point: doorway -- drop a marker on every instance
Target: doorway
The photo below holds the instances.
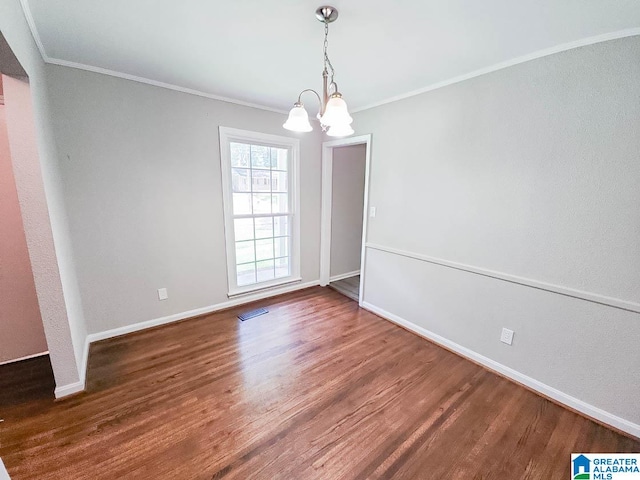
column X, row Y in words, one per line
column 35, row 311
column 345, row 179
column 21, row 328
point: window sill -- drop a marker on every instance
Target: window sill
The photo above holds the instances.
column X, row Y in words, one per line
column 263, row 286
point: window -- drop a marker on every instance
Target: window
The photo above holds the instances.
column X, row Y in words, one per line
column 259, row 180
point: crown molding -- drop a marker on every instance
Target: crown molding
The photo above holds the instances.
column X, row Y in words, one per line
column 476, row 73
column 169, row 86
column 508, row 63
column 26, row 9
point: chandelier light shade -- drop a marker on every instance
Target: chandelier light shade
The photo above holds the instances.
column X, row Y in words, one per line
column 340, row 131
column 298, row 120
column 334, row 114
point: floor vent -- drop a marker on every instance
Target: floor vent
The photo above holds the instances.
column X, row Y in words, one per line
column 253, row 313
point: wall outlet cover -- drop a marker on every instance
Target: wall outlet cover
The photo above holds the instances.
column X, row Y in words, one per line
column 162, row 294
column 506, row 336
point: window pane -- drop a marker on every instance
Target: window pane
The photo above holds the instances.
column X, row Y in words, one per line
column 261, row 203
column 282, row 267
column 261, row 180
column 260, row 157
column 281, row 246
column 280, row 226
column 279, row 158
column 245, row 252
column 279, row 181
column 264, row 249
column 241, row 203
column 243, row 228
column 280, row 202
column 240, row 179
column 260, row 215
column 264, row 227
column 239, row 154
column 246, row 274
column 265, row 271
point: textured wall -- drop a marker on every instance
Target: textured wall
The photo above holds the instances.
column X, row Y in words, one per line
column 530, row 171
column 142, row 181
column 347, row 200
column 35, row 166
column 21, row 330
column 37, row 227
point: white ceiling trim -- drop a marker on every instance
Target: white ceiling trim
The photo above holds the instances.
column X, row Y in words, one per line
column 476, row 73
column 32, row 26
column 90, row 68
column 509, row 63
column 135, row 78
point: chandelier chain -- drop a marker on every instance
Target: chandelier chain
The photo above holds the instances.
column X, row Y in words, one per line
column 326, row 55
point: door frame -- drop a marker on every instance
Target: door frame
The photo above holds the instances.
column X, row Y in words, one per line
column 327, row 189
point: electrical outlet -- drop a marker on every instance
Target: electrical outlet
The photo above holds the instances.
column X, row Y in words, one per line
column 162, row 294
column 507, row 336
column 372, row 212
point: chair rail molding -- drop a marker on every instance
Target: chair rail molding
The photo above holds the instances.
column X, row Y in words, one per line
column 628, row 305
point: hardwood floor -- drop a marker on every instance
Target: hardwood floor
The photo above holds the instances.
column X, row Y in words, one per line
column 348, row 286
column 316, row 389
column 26, row 383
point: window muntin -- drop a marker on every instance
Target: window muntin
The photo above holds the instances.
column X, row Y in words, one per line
column 260, row 210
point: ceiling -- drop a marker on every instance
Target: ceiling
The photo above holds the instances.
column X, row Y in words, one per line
column 9, row 64
column 265, row 52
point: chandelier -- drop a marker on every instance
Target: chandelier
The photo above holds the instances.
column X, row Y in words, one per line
column 333, row 115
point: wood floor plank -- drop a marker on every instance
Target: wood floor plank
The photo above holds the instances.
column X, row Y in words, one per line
column 348, row 286
column 316, row 389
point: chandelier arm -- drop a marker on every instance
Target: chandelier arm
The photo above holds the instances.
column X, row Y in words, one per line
column 310, row 90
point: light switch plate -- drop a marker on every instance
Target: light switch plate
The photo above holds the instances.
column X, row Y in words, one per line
column 162, row 294
column 372, row 212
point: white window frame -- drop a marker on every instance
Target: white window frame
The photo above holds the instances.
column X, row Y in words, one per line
column 228, row 135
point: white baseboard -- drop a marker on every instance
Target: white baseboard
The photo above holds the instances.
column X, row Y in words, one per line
column 85, row 362
column 342, row 276
column 116, row 332
column 78, row 386
column 69, row 389
column 561, row 397
column 95, row 337
column 35, row 355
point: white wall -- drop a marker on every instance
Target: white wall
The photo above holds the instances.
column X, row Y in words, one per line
column 140, row 167
column 529, row 171
column 39, row 191
column 347, row 203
